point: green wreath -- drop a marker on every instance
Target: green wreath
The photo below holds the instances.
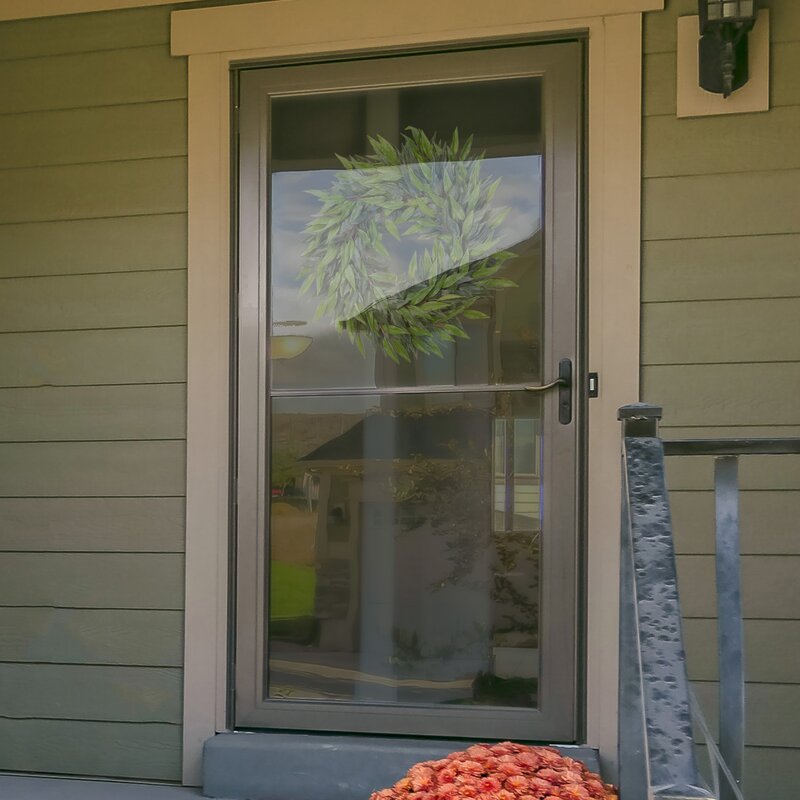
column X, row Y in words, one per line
column 425, row 187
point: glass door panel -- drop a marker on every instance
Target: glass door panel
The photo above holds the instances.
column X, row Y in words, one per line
column 407, row 495
column 404, row 549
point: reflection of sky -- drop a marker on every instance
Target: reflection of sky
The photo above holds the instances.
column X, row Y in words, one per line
column 331, row 360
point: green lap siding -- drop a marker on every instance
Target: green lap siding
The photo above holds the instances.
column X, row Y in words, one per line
column 92, row 395
column 721, row 353
column 79, row 747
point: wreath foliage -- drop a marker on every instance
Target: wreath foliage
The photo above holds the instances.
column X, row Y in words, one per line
column 428, row 188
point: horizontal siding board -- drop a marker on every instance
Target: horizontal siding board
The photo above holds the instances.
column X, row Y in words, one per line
column 101, row 78
column 91, row 636
column 670, row 144
column 100, row 524
column 770, row 586
column 111, row 189
column 81, row 692
column 724, row 394
column 660, row 76
column 770, row 473
column 117, row 300
column 660, row 27
column 722, row 268
column 784, row 69
column 769, row 772
column 102, row 749
column 85, row 135
column 96, row 469
column 719, row 331
column 66, row 358
column 701, row 206
column 89, row 413
column 116, row 244
column 763, row 640
column 769, row 521
column 75, row 33
column 92, row 580
column 772, row 713
column 660, row 79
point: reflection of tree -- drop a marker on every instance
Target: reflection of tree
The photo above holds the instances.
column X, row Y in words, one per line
column 409, row 648
column 451, row 496
column 449, row 488
column 284, row 468
column 513, row 550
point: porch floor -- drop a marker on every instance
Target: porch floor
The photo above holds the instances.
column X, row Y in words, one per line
column 24, row 787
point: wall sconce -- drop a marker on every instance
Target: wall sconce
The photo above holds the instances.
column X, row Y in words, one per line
column 723, row 50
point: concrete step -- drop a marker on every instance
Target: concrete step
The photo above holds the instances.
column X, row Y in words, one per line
column 291, row 766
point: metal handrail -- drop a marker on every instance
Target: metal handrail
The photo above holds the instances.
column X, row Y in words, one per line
column 732, row 447
column 656, row 748
column 643, row 454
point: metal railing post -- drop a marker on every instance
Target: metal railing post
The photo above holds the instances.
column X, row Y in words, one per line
column 729, row 620
column 657, row 758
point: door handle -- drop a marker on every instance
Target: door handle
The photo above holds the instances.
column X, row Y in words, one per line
column 564, row 383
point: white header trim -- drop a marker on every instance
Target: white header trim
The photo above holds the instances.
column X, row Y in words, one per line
column 283, row 27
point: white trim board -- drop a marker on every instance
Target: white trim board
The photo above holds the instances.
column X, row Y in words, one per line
column 614, row 186
column 284, row 26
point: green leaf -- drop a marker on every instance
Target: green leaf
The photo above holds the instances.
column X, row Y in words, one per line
column 500, row 283
column 473, row 313
column 392, row 228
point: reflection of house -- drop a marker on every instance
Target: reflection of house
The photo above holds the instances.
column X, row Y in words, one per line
column 115, row 378
column 390, row 544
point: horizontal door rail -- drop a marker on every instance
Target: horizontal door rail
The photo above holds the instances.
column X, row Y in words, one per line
column 732, row 447
column 467, row 388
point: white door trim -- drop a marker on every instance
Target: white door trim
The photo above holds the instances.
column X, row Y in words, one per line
column 614, row 210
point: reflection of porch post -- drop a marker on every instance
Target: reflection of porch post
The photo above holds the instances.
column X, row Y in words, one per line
column 376, row 535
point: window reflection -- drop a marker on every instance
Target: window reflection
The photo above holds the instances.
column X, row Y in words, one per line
column 395, row 576
column 502, row 344
column 405, row 529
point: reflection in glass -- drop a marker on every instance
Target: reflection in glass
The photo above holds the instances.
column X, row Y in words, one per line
column 404, row 549
column 433, row 188
column 404, row 530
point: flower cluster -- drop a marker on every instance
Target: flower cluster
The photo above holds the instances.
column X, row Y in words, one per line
column 506, row 771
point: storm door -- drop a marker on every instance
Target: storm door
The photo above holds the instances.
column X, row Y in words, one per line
column 406, row 519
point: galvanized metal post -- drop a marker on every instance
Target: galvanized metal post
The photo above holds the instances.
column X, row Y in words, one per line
column 654, row 677
column 729, row 621
column 634, row 773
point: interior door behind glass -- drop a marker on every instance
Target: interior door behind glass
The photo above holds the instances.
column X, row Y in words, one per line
column 407, row 501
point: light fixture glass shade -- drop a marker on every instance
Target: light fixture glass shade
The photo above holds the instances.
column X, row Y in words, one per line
column 284, row 347
column 715, row 12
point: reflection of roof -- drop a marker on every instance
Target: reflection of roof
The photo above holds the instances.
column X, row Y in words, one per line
column 452, row 434
column 524, row 247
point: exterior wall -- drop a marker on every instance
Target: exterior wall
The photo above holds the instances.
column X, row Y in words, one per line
column 721, row 352
column 92, row 404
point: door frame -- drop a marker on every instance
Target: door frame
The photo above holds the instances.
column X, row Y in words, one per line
column 216, row 38
column 559, row 67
